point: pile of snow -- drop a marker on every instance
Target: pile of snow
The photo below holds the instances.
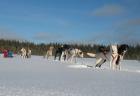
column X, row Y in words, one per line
column 41, row 77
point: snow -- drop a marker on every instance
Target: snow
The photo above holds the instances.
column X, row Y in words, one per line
column 41, row 77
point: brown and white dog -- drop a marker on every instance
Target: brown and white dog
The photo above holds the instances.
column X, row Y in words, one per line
column 114, row 56
column 49, row 52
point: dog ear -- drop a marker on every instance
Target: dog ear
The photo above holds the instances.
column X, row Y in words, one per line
column 127, row 46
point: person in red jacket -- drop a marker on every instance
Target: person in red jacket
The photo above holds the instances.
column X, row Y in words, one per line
column 5, row 53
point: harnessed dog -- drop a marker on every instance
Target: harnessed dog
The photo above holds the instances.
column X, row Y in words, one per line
column 73, row 53
column 60, row 52
column 49, row 52
column 114, row 56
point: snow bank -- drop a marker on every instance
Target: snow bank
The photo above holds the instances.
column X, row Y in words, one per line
column 41, row 77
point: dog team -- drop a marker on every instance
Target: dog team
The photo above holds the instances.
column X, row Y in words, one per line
column 66, row 53
column 114, row 55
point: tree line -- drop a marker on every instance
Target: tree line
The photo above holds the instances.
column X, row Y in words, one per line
column 41, row 49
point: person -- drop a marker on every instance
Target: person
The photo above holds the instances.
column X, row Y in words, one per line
column 10, row 53
column 5, row 53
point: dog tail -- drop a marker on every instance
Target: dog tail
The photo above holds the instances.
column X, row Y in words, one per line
column 118, row 60
column 91, row 54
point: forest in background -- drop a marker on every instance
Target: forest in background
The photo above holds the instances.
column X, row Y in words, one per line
column 40, row 49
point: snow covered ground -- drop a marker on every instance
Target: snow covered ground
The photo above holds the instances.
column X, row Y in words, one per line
column 41, row 77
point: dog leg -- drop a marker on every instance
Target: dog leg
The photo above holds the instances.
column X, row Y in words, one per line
column 48, row 56
column 111, row 66
column 61, row 56
column 55, row 55
column 103, row 61
column 99, row 62
column 71, row 58
column 118, row 66
column 114, row 62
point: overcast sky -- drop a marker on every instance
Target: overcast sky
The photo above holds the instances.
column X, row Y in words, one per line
column 87, row 21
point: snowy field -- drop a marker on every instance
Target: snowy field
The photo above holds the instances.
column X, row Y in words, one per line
column 41, row 77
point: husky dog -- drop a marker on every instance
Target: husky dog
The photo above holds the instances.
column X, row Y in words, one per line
column 23, row 53
column 122, row 49
column 114, row 55
column 73, row 53
column 61, row 52
column 28, row 53
column 49, row 52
